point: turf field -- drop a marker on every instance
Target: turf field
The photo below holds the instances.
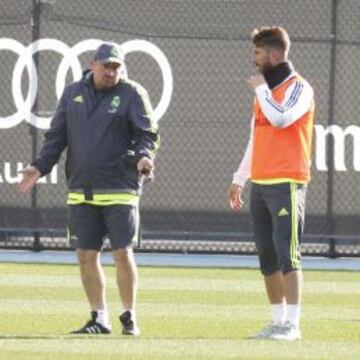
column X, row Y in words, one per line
column 185, row 313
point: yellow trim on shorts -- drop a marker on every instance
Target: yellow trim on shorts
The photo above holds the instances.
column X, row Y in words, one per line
column 277, row 181
column 294, row 243
column 136, row 237
column 104, row 199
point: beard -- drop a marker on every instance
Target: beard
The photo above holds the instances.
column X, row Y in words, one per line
column 266, row 68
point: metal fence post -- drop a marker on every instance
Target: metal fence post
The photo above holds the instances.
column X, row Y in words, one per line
column 34, row 24
column 329, row 141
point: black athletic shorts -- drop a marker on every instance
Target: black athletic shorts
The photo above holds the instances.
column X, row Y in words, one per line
column 88, row 225
column 278, row 212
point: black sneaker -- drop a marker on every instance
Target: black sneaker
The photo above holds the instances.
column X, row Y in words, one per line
column 92, row 327
column 128, row 324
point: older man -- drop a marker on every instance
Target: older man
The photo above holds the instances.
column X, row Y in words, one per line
column 106, row 124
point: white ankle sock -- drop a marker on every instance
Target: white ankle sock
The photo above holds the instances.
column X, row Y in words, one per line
column 278, row 312
column 103, row 318
column 293, row 314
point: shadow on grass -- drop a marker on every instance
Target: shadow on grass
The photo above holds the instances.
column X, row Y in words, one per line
column 63, row 336
column 120, row 337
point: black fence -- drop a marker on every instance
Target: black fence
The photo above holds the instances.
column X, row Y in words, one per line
column 194, row 58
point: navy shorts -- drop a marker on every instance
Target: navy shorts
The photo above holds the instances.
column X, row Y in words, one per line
column 89, row 225
column 278, row 212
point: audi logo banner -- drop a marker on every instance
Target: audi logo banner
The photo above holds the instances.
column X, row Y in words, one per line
column 69, row 61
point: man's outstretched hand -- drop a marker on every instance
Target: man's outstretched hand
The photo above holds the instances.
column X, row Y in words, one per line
column 30, row 175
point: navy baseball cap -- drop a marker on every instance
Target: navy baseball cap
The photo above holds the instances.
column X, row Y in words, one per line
column 109, row 53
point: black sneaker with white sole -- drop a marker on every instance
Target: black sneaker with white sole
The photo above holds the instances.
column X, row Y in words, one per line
column 129, row 326
column 92, row 327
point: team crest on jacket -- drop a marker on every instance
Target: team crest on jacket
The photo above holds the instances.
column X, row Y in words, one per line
column 114, row 105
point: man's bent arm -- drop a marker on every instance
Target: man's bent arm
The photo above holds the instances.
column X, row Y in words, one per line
column 298, row 100
column 147, row 139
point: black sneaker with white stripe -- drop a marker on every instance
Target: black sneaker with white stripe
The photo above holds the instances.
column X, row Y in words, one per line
column 128, row 324
column 92, row 327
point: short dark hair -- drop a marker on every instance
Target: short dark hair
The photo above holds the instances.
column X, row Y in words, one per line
column 275, row 37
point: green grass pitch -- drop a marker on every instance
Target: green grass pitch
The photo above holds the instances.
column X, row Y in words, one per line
column 184, row 313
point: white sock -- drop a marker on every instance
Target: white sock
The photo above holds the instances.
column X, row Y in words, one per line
column 103, row 318
column 278, row 312
column 293, row 314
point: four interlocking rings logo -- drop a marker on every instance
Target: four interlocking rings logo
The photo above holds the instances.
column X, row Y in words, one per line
column 69, row 60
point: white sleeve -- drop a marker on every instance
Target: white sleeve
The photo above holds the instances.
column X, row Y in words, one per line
column 243, row 172
column 297, row 101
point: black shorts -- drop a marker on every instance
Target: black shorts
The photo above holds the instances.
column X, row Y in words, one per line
column 88, row 225
column 278, row 212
